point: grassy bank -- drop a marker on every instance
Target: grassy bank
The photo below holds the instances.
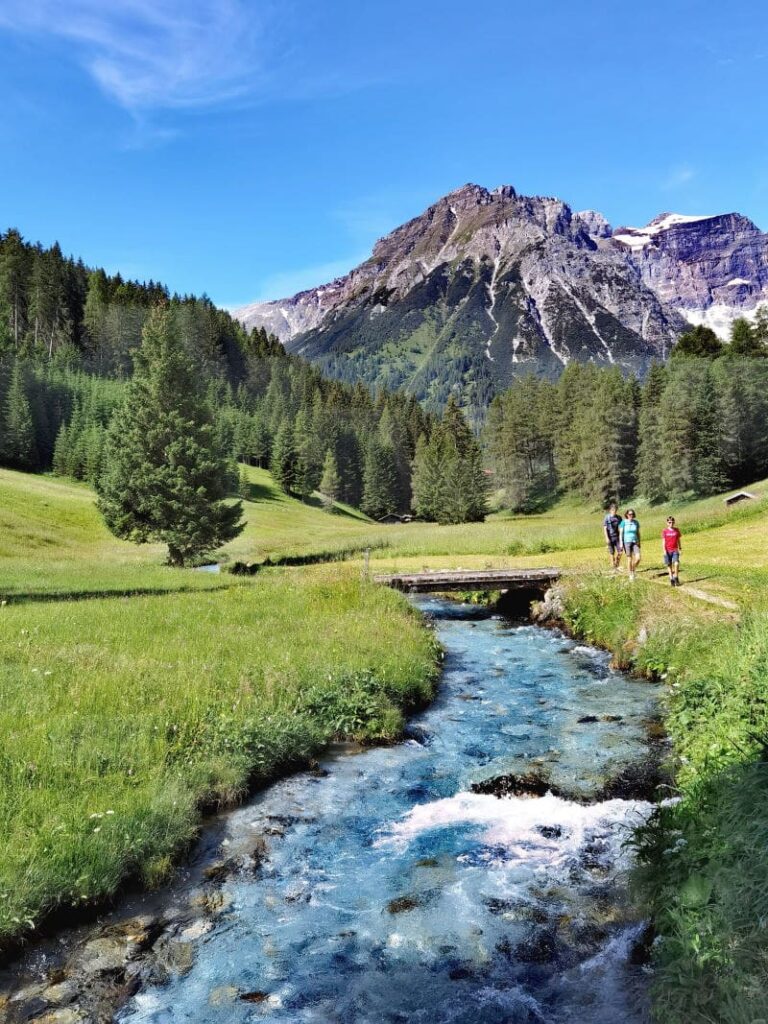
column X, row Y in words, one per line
column 703, row 865
column 133, row 695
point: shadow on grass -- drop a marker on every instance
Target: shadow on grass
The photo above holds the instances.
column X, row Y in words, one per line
column 260, row 492
column 43, row 596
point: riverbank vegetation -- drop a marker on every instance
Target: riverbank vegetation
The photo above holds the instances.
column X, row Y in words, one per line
column 702, row 866
column 133, row 695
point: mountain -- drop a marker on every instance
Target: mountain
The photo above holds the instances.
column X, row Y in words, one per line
column 711, row 269
column 488, row 285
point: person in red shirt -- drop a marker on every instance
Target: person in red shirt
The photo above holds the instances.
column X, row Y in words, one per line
column 670, row 537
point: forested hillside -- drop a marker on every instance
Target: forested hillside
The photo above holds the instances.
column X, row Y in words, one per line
column 694, row 426
column 66, row 338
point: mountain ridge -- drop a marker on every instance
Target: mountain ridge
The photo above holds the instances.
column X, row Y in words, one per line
column 486, row 285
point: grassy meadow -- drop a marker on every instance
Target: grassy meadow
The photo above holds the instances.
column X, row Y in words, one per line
column 154, row 692
column 133, row 695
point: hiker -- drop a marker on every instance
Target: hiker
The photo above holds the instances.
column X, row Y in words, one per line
column 670, row 537
column 630, row 540
column 612, row 530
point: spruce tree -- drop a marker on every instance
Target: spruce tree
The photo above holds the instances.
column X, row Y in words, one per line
column 379, row 480
column 650, row 482
column 330, row 483
column 165, row 479
column 18, row 433
column 429, row 480
column 283, row 464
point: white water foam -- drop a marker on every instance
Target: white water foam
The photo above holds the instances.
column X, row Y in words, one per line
column 516, row 823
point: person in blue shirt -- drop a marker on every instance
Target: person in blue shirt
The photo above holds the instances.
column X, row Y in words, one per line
column 630, row 540
column 612, row 529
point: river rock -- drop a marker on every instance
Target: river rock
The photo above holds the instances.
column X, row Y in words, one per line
column 61, row 993
column 222, row 995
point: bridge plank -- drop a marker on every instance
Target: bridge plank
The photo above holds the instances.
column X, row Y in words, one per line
column 468, row 579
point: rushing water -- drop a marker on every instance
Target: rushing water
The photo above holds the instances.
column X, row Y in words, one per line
column 392, row 892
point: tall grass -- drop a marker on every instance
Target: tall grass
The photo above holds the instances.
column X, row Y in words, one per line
column 121, row 717
column 703, row 866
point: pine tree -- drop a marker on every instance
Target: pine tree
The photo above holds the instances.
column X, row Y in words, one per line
column 165, row 480
column 283, row 463
column 429, row 479
column 330, row 483
column 700, row 342
column 745, row 340
column 650, row 482
column 379, row 480
column 18, row 433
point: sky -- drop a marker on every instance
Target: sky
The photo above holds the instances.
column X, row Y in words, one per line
column 246, row 149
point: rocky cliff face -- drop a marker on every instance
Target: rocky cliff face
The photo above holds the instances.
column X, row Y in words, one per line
column 711, row 269
column 488, row 285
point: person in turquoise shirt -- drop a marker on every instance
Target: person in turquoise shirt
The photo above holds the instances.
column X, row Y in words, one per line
column 630, row 540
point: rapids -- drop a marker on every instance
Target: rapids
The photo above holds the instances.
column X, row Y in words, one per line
column 391, row 891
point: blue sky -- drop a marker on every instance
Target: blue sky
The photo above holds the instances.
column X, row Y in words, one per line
column 247, row 149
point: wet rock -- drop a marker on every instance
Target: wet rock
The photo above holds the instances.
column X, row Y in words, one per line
column 541, row 948
column 211, row 902
column 176, row 958
column 468, row 696
column 529, row 784
column 254, row 997
column 195, row 930
column 499, row 906
column 427, row 862
column 587, row 719
column 460, row 973
column 551, row 609
column 64, row 1016
column 105, row 955
column 259, row 853
column 637, row 781
column 402, row 904
column 61, row 993
column 611, row 718
column 550, row 831
column 221, row 871
column 222, row 995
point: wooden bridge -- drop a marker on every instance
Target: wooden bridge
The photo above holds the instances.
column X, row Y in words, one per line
column 471, row 579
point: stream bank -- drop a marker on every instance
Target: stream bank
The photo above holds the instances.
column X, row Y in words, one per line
column 420, row 881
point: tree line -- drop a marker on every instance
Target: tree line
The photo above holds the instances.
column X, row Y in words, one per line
column 694, row 426
column 69, row 336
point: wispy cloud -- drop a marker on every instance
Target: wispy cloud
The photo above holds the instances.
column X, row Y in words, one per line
column 678, row 177
column 153, row 54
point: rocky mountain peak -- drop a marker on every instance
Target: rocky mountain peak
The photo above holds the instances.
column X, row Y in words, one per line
column 488, row 284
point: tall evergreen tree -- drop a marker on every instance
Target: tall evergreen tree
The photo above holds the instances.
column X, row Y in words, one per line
column 165, row 479
column 330, row 483
column 17, row 440
column 379, row 480
column 650, row 482
column 283, row 464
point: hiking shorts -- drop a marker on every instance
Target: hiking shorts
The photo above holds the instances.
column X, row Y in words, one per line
column 632, row 549
column 671, row 556
column 614, row 546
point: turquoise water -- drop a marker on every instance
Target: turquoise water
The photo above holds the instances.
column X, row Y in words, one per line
column 393, row 892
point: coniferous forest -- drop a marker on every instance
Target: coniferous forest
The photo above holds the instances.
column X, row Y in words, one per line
column 68, row 334
column 67, row 339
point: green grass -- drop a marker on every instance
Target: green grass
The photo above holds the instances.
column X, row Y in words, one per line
column 149, row 692
column 703, row 867
column 152, row 692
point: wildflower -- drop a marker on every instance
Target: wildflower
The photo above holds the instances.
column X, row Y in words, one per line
column 97, row 829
